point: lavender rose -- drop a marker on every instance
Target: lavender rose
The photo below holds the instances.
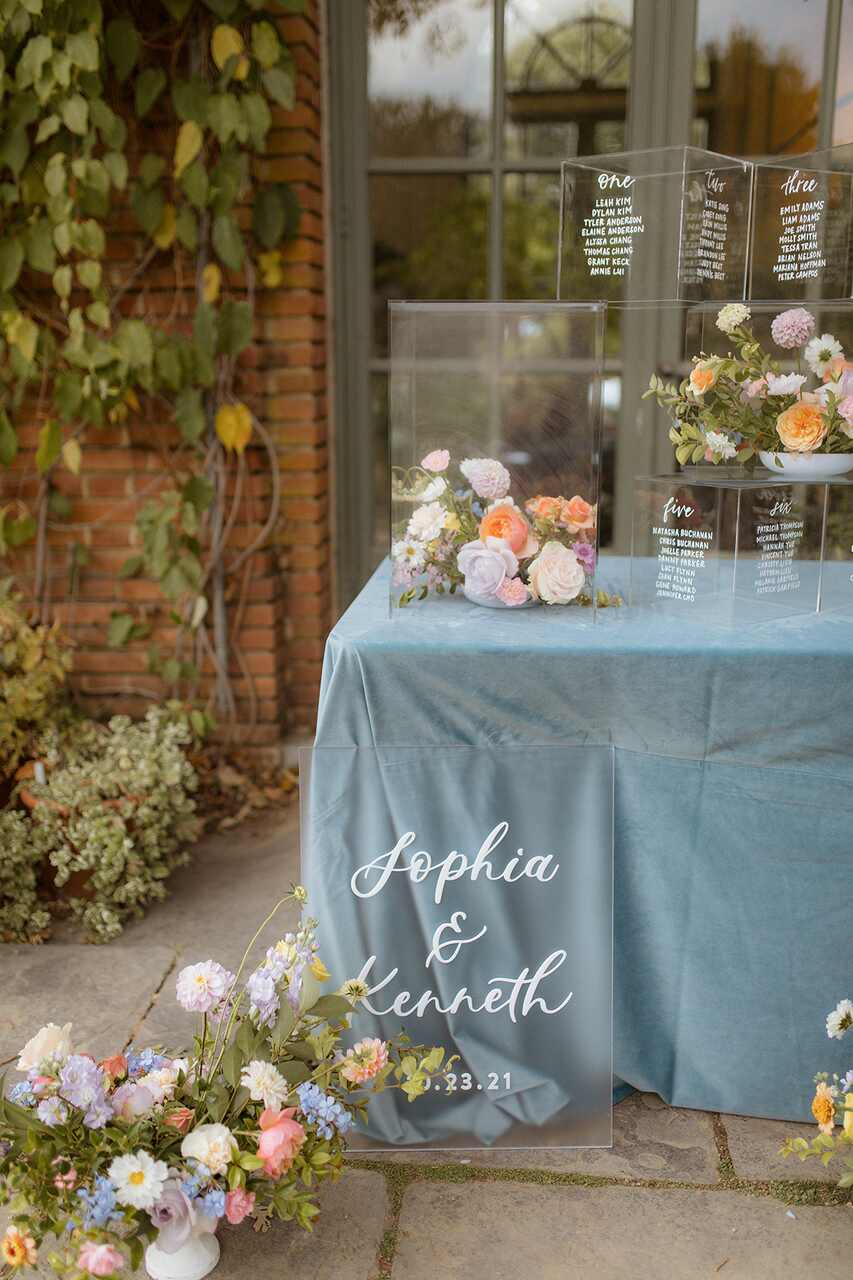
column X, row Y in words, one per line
column 175, row 1216
column 486, row 565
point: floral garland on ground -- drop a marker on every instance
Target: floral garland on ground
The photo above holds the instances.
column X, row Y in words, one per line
column 731, row 407
column 474, row 535
column 152, row 1144
column 832, row 1104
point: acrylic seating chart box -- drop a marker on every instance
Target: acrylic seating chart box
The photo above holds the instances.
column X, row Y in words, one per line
column 731, row 551
column 802, row 235
column 472, row 890
column 494, row 425
column 670, row 223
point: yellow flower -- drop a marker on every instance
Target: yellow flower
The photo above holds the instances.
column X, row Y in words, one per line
column 823, row 1108
column 848, row 1116
column 319, row 970
column 18, row 1250
column 451, row 522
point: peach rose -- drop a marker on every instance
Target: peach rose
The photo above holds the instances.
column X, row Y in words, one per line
column 577, row 514
column 802, row 428
column 542, row 508
column 702, row 378
column 281, row 1138
column 836, row 367
column 181, row 1119
column 505, row 521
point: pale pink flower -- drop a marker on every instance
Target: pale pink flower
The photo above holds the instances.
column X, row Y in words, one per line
column 437, row 460
column 487, row 477
column 281, row 1138
column 100, row 1259
column 238, row 1205
column 792, row 328
column 65, row 1181
column 364, row 1061
column 513, row 592
column 845, row 408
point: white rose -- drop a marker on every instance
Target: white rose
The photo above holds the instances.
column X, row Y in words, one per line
column 211, row 1144
column 556, row 575
column 427, row 522
column 52, row 1043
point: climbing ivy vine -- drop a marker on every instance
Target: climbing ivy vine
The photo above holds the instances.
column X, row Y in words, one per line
column 152, row 112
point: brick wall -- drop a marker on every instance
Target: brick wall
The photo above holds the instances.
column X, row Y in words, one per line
column 279, row 605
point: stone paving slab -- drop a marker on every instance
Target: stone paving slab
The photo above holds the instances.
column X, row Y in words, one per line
column 343, row 1245
column 754, row 1149
column 614, row 1233
column 104, row 991
column 650, row 1140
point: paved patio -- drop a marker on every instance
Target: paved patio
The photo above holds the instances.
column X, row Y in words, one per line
column 681, row 1194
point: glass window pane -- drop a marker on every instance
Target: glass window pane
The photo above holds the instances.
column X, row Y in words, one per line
column 379, row 437
column 842, row 130
column 567, row 68
column 531, row 230
column 758, row 74
column 430, row 236
column 429, row 77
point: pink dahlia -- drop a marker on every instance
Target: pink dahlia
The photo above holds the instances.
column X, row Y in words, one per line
column 793, row 328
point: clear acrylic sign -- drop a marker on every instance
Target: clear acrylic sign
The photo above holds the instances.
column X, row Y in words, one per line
column 471, row 890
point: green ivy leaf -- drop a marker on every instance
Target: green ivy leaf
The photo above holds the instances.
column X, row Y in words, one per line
column 189, row 414
column 190, row 99
column 266, row 45
column 37, row 52
column 228, row 242
column 41, row 254
column 279, row 84
column 68, row 393
column 8, row 441
column 82, row 48
column 168, row 365
column 62, row 281
column 75, row 114
column 186, row 228
column 224, row 117
column 119, row 630
column 147, row 205
column 99, row 314
column 122, row 41
column 47, row 128
column 49, row 446
column 198, row 492
column 195, row 185
column 235, row 328
column 133, row 339
column 258, row 118
column 150, row 83
column 14, row 149
column 116, row 166
column 11, row 261
column 89, row 274
column 178, row 8
column 131, row 567
column 110, row 126
column 151, row 168
column 19, row 531
column 222, row 8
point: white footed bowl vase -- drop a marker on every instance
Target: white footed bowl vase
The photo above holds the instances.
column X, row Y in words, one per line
column 807, row 466
column 192, row 1261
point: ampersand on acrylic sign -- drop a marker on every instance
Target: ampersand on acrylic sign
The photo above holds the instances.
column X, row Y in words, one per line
column 518, row 994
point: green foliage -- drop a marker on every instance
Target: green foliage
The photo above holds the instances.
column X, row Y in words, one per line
column 70, row 73
column 34, row 662
column 23, row 917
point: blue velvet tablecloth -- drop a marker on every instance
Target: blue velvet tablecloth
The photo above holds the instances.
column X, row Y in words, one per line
column 733, row 820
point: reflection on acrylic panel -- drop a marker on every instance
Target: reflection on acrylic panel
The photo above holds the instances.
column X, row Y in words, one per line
column 836, row 595
column 727, row 550
column 494, row 422
column 479, row 922
column 801, row 237
column 671, row 223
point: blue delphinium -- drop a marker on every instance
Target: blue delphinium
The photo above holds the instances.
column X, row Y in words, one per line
column 100, row 1204
column 323, row 1111
column 141, row 1062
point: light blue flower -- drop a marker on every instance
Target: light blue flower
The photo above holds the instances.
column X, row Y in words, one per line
column 99, row 1204
column 22, row 1094
column 212, row 1204
column 323, row 1111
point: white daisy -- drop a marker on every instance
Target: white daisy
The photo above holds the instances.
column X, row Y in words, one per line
column 839, row 1020
column 410, row 552
column 820, row 353
column 427, row 522
column 138, row 1179
column 784, row 384
column 265, row 1084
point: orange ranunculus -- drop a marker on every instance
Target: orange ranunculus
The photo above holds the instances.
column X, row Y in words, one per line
column 702, row 378
column 116, row 1066
column 542, row 508
column 577, row 514
column 802, row 428
column 507, row 522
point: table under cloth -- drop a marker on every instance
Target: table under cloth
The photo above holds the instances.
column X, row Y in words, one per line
column 733, row 810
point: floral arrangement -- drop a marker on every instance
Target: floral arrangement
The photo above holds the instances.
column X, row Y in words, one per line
column 473, row 535
column 832, row 1105
column 106, row 814
column 732, row 407
column 150, row 1145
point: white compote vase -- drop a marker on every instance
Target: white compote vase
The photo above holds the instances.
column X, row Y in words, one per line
column 194, row 1260
column 807, row 466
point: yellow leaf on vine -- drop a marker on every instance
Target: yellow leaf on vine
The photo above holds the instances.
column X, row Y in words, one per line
column 187, row 145
column 226, row 42
column 164, row 236
column 72, row 456
column 23, row 333
column 234, row 426
column 211, row 280
column 271, row 269
column 131, row 399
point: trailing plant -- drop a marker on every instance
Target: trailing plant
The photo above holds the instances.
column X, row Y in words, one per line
column 160, row 107
column 34, row 663
column 111, row 821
